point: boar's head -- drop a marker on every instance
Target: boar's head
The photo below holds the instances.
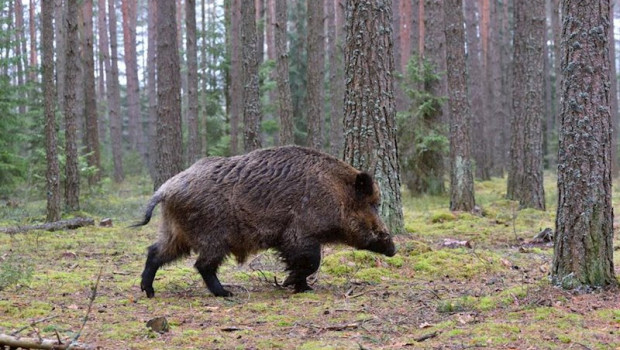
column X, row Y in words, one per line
column 367, row 230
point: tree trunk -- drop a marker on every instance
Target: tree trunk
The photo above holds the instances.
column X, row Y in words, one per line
column 613, row 91
column 169, row 159
column 525, row 178
column 33, row 42
column 236, row 75
column 370, row 137
column 193, row 141
column 72, row 176
column 114, row 98
column 316, row 63
column 475, row 90
column 103, row 56
column 583, row 243
column 130, row 17
column 556, row 26
column 151, row 67
column 461, row 178
column 251, row 105
column 20, row 51
column 285, row 104
column 52, row 176
column 435, row 53
column 90, row 97
column 60, row 15
column 336, row 80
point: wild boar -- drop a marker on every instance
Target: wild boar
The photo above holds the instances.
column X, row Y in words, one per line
column 292, row 199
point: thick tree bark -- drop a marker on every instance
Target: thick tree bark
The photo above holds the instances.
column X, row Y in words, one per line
column 71, row 108
column 285, row 103
column 613, row 91
column 370, row 137
column 475, row 91
column 336, row 80
column 583, row 243
column 251, row 93
column 91, row 124
column 315, row 72
column 52, row 176
column 193, row 140
column 151, row 81
column 461, row 178
column 130, row 18
column 236, row 75
column 525, row 178
column 169, row 160
column 114, row 98
column 60, row 15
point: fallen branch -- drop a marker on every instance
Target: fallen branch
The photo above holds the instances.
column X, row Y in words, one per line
column 33, row 323
column 93, row 295
column 426, row 337
column 31, row 343
column 51, row 226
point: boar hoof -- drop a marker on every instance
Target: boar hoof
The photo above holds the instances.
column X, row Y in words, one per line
column 223, row 293
column 150, row 292
column 303, row 288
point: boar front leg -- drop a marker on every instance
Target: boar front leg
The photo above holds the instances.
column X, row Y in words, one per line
column 301, row 262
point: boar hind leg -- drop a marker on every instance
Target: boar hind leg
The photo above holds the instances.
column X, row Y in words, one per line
column 154, row 261
column 207, row 266
column 301, row 262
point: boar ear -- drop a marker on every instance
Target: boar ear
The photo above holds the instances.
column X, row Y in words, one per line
column 364, row 185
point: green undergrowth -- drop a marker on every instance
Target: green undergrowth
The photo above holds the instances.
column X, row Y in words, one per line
column 461, row 279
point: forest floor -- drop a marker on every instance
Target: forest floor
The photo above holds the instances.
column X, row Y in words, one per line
column 459, row 280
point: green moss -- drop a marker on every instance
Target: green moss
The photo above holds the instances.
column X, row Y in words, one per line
column 486, row 304
column 439, row 216
column 374, row 274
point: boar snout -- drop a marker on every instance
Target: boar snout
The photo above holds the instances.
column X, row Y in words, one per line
column 383, row 245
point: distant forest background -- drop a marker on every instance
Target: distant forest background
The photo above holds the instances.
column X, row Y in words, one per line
column 115, row 76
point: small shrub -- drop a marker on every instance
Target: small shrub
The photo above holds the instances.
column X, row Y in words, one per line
column 14, row 270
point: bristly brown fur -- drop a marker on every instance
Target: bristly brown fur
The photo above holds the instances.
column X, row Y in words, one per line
column 291, row 198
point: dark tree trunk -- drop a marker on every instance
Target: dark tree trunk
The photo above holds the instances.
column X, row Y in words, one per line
column 461, row 178
column 60, row 16
column 91, row 124
column 336, row 80
column 285, row 103
column 251, row 94
column 72, row 176
column 193, row 140
column 130, row 18
column 475, row 91
column 525, row 178
column 370, row 137
column 316, row 63
column 613, row 91
column 236, row 75
column 114, row 98
column 103, row 61
column 583, row 243
column 52, row 176
column 169, row 159
column 151, row 81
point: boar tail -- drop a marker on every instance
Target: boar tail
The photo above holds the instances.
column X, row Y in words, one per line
column 149, row 209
